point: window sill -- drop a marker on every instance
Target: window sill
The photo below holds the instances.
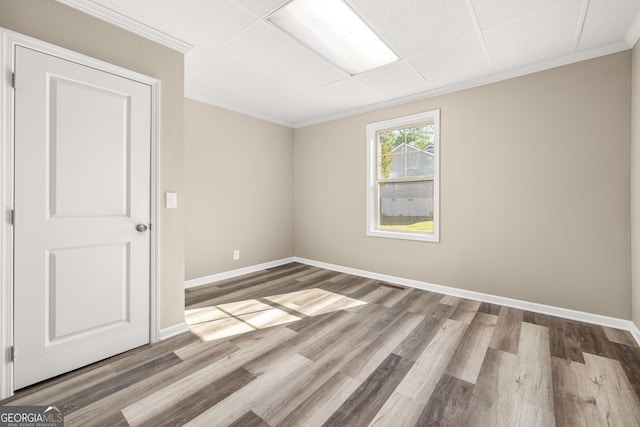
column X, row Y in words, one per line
column 405, row 235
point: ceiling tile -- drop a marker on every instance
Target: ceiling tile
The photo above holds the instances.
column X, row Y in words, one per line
column 304, row 107
column 393, row 81
column 241, row 61
column 491, row 13
column 197, row 53
column 605, row 24
column 453, row 63
column 196, row 21
column 260, row 7
column 417, row 26
column 347, row 94
column 274, row 52
column 543, row 36
column 222, row 78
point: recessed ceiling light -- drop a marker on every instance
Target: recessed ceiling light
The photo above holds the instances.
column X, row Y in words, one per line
column 335, row 31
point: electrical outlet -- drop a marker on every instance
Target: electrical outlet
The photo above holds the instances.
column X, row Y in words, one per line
column 236, row 254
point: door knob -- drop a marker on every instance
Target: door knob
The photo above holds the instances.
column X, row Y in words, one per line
column 141, row 228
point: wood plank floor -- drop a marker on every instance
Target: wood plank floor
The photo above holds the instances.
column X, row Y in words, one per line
column 302, row 346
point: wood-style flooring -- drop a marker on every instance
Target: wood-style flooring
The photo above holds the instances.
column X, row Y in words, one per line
column 302, row 346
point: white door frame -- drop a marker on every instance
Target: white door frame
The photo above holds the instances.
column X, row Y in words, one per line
column 10, row 40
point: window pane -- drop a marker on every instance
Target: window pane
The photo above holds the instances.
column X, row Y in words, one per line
column 406, row 152
column 419, row 162
column 406, row 206
column 420, row 136
column 391, row 166
column 389, row 140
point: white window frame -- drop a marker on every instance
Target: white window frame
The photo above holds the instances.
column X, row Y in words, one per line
column 373, row 207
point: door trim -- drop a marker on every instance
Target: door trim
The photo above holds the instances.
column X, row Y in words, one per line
column 10, row 40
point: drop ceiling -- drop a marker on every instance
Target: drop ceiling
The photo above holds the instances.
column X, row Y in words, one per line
column 237, row 59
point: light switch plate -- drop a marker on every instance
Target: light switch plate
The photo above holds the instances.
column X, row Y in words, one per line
column 171, row 200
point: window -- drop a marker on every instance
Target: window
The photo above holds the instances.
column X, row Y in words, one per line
column 403, row 177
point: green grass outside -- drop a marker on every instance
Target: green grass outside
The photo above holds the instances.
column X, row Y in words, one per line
column 422, row 226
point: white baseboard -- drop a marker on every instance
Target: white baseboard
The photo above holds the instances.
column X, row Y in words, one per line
column 635, row 331
column 566, row 313
column 173, row 330
column 235, row 273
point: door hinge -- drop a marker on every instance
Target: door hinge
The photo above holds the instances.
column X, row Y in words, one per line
column 12, row 353
column 13, row 80
column 12, row 217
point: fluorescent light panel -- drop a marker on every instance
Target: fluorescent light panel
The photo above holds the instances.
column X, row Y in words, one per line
column 335, row 31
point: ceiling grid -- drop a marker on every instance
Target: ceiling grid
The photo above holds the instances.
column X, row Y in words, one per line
column 238, row 60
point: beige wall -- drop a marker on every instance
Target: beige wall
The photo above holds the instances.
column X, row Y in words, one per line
column 238, row 190
column 63, row 26
column 534, row 190
column 535, row 179
column 635, row 183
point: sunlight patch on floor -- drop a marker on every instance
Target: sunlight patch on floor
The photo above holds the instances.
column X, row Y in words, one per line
column 312, row 302
column 239, row 317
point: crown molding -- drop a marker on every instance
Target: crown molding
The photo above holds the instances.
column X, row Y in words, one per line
column 456, row 87
column 247, row 112
column 470, row 84
column 110, row 16
column 634, row 33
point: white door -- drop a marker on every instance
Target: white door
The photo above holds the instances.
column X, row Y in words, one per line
column 82, row 185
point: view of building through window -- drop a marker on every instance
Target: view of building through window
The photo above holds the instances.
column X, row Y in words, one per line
column 405, row 178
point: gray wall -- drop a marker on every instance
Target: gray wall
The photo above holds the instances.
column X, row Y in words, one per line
column 635, row 182
column 68, row 28
column 535, row 184
column 238, row 192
